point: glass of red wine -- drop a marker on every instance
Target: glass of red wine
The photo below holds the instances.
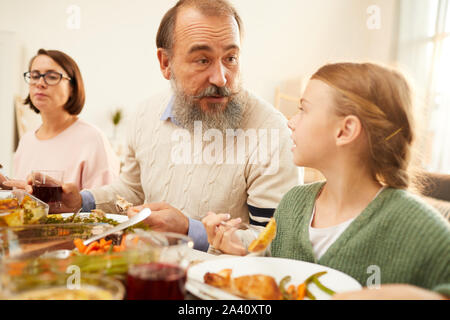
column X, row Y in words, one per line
column 47, row 186
column 163, row 274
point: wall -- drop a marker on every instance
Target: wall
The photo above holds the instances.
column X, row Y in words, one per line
column 8, row 69
column 115, row 44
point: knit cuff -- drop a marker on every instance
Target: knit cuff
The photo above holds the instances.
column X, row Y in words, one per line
column 88, row 201
column 198, row 233
column 443, row 289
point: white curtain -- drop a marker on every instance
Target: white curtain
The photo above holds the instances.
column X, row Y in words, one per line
column 424, row 53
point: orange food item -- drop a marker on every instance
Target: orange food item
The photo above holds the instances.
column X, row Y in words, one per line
column 265, row 237
column 292, row 291
column 16, row 268
column 79, row 245
column 99, row 247
column 9, row 204
column 301, row 291
column 91, row 247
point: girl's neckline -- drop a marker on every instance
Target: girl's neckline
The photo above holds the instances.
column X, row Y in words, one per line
column 348, row 221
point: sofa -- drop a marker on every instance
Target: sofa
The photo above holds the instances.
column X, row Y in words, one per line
column 436, row 191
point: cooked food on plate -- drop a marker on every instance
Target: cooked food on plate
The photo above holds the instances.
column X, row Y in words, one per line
column 256, row 286
column 264, row 287
column 9, row 204
column 99, row 247
column 95, row 216
column 27, row 211
column 122, row 205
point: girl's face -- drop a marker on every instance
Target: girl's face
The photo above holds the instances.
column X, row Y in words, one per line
column 315, row 126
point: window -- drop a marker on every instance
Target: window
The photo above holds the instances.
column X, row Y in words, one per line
column 439, row 92
column 424, row 50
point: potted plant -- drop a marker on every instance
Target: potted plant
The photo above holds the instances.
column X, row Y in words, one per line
column 116, row 118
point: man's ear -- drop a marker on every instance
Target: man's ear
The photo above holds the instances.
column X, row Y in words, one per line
column 163, row 58
column 348, row 131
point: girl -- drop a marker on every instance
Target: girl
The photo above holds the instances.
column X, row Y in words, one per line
column 355, row 125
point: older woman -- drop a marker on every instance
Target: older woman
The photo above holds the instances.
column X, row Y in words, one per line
column 63, row 141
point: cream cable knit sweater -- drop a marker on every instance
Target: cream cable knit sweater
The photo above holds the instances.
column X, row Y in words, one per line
column 153, row 170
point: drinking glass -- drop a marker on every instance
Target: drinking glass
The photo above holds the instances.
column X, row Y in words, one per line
column 47, row 186
column 163, row 275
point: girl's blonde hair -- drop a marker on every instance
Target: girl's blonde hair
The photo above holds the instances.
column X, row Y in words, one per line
column 381, row 98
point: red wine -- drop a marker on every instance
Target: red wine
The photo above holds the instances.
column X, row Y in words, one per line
column 156, row 281
column 48, row 193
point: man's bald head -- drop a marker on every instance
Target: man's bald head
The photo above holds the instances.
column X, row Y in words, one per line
column 166, row 31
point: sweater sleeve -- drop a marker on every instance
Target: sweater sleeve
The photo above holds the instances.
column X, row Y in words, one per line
column 443, row 289
column 128, row 185
column 270, row 173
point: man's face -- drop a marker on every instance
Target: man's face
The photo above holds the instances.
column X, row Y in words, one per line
column 205, row 59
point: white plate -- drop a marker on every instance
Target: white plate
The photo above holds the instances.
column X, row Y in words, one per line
column 117, row 217
column 276, row 267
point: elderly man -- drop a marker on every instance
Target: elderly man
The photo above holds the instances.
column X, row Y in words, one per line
column 208, row 145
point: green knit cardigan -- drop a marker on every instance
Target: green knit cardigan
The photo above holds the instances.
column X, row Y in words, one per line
column 398, row 234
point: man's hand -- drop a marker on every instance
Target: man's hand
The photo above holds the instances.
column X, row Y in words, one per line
column 223, row 237
column 164, row 217
column 390, row 292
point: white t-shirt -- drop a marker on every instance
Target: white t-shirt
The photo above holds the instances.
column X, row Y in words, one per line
column 322, row 238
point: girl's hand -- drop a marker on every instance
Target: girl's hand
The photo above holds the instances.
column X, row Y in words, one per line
column 221, row 233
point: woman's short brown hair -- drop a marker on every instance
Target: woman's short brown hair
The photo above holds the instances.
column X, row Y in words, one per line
column 76, row 100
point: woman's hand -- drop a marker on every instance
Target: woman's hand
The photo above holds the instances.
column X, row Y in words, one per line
column 390, row 292
column 223, row 236
column 20, row 184
column 71, row 199
column 3, row 179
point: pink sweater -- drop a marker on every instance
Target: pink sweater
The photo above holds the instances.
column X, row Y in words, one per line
column 82, row 151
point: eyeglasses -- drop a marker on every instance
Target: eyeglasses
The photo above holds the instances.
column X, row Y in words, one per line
column 51, row 78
